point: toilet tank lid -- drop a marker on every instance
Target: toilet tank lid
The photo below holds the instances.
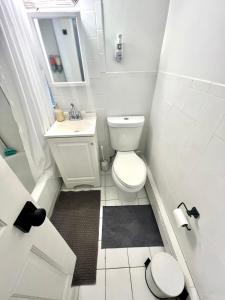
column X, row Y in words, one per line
column 126, row 121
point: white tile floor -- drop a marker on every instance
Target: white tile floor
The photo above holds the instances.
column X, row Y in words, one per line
column 120, row 272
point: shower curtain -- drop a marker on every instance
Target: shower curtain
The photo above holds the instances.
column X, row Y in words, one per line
column 24, row 84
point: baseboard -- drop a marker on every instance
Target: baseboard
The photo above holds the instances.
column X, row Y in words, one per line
column 169, row 238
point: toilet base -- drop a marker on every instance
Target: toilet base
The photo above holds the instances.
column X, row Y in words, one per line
column 126, row 196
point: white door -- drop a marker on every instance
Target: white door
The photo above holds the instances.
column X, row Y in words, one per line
column 35, row 265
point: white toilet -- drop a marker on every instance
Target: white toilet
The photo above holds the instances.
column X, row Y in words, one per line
column 128, row 169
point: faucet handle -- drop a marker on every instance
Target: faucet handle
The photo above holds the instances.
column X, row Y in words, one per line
column 74, row 113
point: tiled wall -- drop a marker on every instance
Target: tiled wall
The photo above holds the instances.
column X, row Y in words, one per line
column 194, row 39
column 118, row 89
column 186, row 146
column 186, row 154
column 142, row 25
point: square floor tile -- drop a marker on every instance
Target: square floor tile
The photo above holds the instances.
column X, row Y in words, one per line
column 95, row 291
column 142, row 193
column 119, row 202
column 139, row 286
column 100, row 230
column 111, row 193
column 102, row 193
column 113, row 203
column 101, row 257
column 101, row 208
column 116, row 258
column 109, row 180
column 138, row 256
column 143, row 201
column 102, row 180
column 109, row 171
column 118, row 285
column 127, row 202
column 101, row 212
column 154, row 250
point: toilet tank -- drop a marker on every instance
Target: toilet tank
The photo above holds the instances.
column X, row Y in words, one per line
column 125, row 132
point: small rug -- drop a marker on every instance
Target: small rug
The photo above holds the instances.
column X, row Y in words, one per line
column 76, row 217
column 129, row 226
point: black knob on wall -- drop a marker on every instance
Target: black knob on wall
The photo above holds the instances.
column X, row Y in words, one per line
column 30, row 216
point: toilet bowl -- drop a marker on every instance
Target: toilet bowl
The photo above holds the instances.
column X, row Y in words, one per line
column 129, row 171
column 164, row 276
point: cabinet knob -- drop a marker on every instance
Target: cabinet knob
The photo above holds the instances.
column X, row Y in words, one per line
column 91, row 143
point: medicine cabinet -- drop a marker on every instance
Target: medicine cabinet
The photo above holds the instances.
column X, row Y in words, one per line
column 61, row 41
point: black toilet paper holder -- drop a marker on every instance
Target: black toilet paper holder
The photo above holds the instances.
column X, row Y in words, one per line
column 192, row 212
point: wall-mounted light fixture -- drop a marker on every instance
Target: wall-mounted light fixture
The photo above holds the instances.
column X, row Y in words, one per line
column 181, row 219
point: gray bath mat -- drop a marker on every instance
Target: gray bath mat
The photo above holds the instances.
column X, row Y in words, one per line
column 76, row 217
column 129, row 226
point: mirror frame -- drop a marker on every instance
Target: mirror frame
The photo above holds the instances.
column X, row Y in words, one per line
column 50, row 14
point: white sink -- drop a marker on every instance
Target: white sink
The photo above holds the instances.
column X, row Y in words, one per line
column 72, row 128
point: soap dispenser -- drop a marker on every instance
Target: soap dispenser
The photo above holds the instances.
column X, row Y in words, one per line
column 59, row 114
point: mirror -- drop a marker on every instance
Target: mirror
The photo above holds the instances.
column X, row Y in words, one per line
column 60, row 41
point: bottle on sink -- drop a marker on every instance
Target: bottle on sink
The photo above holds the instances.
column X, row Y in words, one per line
column 59, row 114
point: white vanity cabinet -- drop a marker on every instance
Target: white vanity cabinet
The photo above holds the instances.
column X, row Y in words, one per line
column 74, row 147
column 77, row 160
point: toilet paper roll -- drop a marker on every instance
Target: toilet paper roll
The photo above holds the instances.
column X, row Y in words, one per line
column 180, row 218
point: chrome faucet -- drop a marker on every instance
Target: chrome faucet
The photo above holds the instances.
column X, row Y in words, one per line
column 74, row 113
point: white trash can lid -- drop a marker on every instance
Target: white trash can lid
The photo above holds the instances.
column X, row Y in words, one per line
column 167, row 274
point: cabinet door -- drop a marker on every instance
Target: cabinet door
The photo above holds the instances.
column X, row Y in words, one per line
column 76, row 159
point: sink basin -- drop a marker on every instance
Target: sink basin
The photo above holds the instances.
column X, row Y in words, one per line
column 70, row 128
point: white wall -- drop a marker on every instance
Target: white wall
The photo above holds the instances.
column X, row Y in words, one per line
column 194, row 40
column 186, row 146
column 142, row 25
column 118, row 89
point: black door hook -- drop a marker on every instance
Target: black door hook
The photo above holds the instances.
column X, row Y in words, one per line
column 30, row 216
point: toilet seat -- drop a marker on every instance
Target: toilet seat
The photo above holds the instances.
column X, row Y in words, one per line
column 167, row 275
column 129, row 171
